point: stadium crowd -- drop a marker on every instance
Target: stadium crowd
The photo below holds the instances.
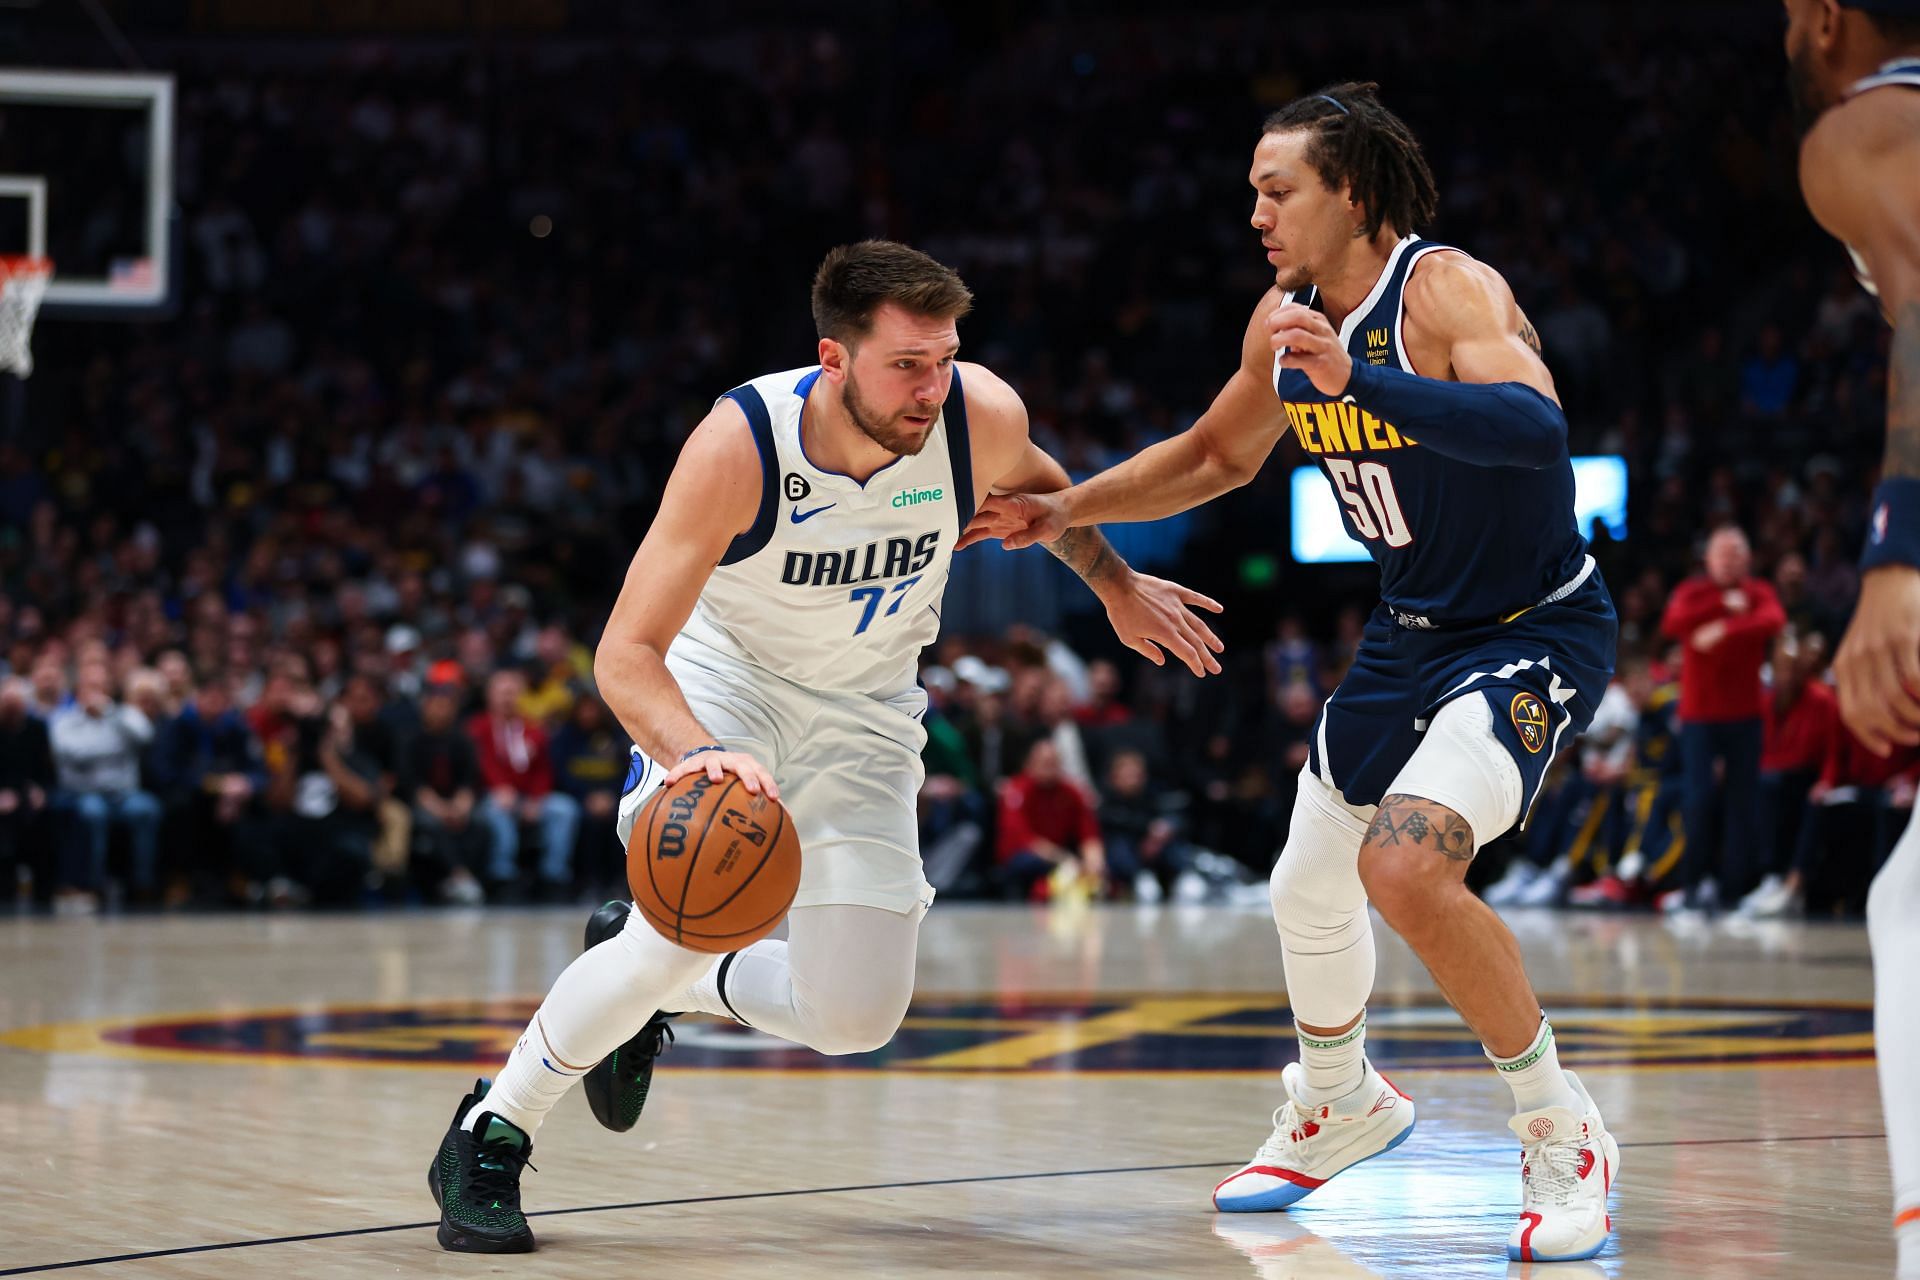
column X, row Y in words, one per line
column 301, row 583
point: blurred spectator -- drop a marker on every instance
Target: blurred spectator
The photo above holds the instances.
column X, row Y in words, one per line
column 440, row 780
column 1725, row 619
column 1058, row 723
column 1802, row 719
column 1769, row 376
column 26, row 791
column 97, row 746
column 589, row 764
column 209, row 775
column 518, row 771
column 1143, row 848
column 1047, row 828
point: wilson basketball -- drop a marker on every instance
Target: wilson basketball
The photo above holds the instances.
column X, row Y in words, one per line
column 713, row 866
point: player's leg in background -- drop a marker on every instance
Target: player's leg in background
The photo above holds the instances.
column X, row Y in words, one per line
column 840, row 982
column 1893, row 928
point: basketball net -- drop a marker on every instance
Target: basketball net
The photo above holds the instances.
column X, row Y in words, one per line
column 23, row 283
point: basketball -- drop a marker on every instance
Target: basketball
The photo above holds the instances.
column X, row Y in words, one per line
column 713, row 866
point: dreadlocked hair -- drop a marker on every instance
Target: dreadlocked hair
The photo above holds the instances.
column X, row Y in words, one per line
column 1356, row 140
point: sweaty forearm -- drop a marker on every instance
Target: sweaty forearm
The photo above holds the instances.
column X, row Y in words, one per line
column 1161, row 480
column 1498, row 424
column 646, row 699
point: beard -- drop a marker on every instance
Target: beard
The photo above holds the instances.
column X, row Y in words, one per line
column 890, row 434
column 1808, row 101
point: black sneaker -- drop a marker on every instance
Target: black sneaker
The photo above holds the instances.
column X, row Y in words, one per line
column 476, row 1182
column 616, row 1087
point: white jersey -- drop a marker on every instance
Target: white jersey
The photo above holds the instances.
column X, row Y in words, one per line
column 1901, row 73
column 837, row 586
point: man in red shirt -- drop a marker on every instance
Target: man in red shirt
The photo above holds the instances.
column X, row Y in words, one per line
column 1725, row 621
column 1045, row 822
column 518, row 773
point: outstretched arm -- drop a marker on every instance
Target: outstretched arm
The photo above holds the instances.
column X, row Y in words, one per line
column 1147, row 612
column 1860, row 170
column 1221, row 451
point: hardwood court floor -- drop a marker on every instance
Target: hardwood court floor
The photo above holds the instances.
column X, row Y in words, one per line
column 1069, row 1086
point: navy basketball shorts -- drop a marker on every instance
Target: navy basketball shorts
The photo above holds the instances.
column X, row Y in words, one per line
column 1541, row 675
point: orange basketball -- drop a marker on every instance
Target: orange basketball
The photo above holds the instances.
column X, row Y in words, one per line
column 712, row 866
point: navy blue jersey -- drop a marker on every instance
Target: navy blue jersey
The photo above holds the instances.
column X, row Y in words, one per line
column 1455, row 542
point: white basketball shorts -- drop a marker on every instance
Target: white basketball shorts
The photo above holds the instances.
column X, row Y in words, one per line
column 848, row 766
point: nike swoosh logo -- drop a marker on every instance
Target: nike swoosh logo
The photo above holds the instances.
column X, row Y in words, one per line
column 799, row 516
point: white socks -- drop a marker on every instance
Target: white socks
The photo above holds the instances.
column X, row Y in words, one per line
column 602, row 999
column 534, row 1078
column 1333, row 1064
column 1535, row 1077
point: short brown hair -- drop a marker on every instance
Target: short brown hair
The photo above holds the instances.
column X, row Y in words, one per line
column 856, row 279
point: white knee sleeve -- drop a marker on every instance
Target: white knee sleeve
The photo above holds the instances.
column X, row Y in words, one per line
column 1321, row 908
column 1462, row 765
column 839, row 984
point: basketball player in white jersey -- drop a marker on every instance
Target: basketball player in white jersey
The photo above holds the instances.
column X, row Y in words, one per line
column 1855, row 72
column 770, row 627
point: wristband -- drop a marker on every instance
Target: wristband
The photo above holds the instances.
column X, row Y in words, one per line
column 711, row 746
column 1893, row 525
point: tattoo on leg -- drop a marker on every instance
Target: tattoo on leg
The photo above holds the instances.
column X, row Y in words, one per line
column 1422, row 822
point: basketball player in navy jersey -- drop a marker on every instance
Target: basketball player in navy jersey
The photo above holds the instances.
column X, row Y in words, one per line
column 1855, row 73
column 1408, row 372
column 770, row 627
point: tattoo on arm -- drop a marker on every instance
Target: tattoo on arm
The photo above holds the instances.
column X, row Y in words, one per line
column 1404, row 820
column 1903, row 395
column 1530, row 336
column 1086, row 551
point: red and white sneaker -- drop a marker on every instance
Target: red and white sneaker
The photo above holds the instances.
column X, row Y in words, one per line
column 1568, row 1164
column 1312, row 1143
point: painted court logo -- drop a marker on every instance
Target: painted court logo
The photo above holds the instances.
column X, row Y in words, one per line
column 1227, row 1033
column 1529, row 721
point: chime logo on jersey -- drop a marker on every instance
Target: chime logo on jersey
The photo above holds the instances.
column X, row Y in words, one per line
column 914, row 497
column 879, row 559
column 1530, row 721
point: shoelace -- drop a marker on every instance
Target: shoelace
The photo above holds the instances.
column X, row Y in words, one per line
column 494, row 1179
column 652, row 1048
column 1292, row 1130
column 1552, row 1169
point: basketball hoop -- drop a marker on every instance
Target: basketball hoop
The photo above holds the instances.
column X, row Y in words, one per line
column 23, row 282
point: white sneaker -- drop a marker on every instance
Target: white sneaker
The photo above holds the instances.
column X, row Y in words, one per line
column 1568, row 1163
column 1773, row 900
column 1508, row 888
column 1312, row 1143
column 1545, row 889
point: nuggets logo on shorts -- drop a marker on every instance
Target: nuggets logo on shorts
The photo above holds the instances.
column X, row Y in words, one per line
column 1530, row 721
